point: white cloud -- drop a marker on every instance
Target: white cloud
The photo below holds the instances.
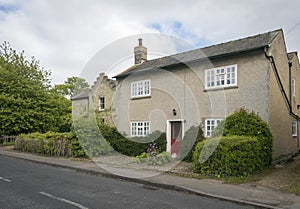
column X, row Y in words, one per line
column 64, row 35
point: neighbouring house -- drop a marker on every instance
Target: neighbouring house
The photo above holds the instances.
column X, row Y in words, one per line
column 203, row 86
column 99, row 98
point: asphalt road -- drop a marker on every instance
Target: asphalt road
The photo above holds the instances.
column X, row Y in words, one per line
column 24, row 184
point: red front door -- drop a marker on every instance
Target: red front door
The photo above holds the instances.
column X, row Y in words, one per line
column 176, row 137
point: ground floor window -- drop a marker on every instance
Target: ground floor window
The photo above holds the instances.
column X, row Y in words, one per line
column 294, row 128
column 210, row 125
column 140, row 128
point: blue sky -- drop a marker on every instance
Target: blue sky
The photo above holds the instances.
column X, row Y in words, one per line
column 65, row 35
column 177, row 28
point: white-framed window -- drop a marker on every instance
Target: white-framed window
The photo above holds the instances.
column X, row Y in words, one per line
column 221, row 77
column 140, row 128
column 210, row 125
column 101, row 103
column 293, row 87
column 140, row 88
column 294, row 128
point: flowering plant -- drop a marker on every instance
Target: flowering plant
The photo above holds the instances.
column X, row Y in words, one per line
column 154, row 156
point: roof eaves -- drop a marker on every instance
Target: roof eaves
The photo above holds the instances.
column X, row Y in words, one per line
column 195, row 60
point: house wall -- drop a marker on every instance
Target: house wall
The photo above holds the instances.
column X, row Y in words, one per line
column 280, row 119
column 103, row 87
column 182, row 89
column 295, row 69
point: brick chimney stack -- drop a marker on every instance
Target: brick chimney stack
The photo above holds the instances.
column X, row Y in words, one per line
column 140, row 53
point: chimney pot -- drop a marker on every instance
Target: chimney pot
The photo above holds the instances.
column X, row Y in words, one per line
column 140, row 53
column 140, row 42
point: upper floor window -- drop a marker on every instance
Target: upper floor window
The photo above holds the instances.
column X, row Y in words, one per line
column 210, row 125
column 140, row 88
column 221, row 77
column 101, row 103
column 293, row 87
column 140, row 128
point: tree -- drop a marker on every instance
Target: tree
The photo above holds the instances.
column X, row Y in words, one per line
column 71, row 87
column 27, row 103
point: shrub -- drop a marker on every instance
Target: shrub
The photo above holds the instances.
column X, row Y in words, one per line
column 228, row 156
column 245, row 123
column 193, row 135
column 103, row 139
column 136, row 145
column 154, row 156
column 50, row 144
column 91, row 139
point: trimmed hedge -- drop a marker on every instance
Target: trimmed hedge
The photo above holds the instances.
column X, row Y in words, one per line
column 90, row 140
column 133, row 146
column 191, row 137
column 246, row 123
column 228, row 156
column 50, row 144
column 102, row 139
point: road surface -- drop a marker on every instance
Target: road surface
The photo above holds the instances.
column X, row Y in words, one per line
column 25, row 184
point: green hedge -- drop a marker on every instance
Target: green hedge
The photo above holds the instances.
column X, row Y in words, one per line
column 50, row 144
column 234, row 156
column 89, row 140
column 191, row 137
column 102, row 139
column 133, row 146
column 245, row 123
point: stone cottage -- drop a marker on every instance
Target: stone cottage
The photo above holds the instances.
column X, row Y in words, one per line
column 203, row 86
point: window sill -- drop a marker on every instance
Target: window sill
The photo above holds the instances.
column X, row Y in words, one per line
column 141, row 97
column 220, row 88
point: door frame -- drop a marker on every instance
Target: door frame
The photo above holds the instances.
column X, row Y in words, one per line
column 168, row 132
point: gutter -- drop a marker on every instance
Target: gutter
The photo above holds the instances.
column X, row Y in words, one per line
column 286, row 98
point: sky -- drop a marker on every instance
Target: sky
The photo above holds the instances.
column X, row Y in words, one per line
column 66, row 34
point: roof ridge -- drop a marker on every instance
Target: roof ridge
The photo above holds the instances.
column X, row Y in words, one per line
column 235, row 40
column 245, row 43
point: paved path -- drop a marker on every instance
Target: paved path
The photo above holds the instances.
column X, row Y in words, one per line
column 246, row 194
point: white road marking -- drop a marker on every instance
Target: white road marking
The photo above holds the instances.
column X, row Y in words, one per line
column 4, row 179
column 63, row 200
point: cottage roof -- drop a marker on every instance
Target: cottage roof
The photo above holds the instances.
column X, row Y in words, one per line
column 214, row 51
column 81, row 95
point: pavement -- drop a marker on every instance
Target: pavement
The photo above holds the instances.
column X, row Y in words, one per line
column 248, row 194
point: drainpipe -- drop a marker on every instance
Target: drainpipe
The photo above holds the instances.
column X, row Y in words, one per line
column 287, row 100
column 290, row 83
column 271, row 59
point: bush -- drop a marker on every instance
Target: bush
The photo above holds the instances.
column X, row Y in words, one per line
column 228, row 156
column 91, row 139
column 50, row 144
column 102, row 139
column 133, row 146
column 188, row 144
column 245, row 123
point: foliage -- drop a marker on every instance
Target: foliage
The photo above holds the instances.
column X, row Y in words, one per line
column 91, row 138
column 237, row 156
column 26, row 102
column 245, row 123
column 50, row 144
column 101, row 139
column 137, row 145
column 153, row 156
column 71, row 87
column 193, row 135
